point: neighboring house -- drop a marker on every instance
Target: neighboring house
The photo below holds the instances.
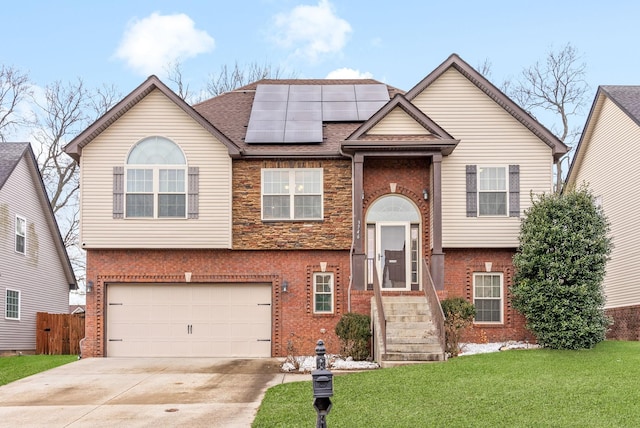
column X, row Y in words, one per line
column 614, row 120
column 35, row 272
column 248, row 224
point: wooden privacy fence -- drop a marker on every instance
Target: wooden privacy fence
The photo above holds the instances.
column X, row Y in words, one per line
column 59, row 334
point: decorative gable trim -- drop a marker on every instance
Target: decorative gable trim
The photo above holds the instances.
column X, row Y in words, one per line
column 74, row 148
column 558, row 147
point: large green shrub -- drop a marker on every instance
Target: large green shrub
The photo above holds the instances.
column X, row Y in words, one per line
column 560, row 267
column 458, row 315
column 354, row 331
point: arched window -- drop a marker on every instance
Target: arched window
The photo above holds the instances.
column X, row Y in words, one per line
column 156, row 173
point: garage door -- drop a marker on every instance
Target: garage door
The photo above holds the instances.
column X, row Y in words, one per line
column 175, row 320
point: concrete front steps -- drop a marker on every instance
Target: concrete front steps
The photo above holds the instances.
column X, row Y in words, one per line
column 411, row 335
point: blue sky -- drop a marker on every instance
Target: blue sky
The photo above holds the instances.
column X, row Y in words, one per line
column 122, row 42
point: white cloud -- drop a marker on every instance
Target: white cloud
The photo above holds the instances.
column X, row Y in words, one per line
column 312, row 31
column 150, row 44
column 348, row 73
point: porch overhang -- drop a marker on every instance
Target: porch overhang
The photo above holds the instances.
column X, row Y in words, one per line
column 416, row 148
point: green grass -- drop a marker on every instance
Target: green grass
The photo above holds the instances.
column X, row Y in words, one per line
column 518, row 388
column 14, row 368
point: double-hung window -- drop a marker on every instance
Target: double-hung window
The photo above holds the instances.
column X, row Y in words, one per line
column 323, row 293
column 292, row 194
column 492, row 191
column 12, row 304
column 21, row 235
column 156, row 184
column 487, row 297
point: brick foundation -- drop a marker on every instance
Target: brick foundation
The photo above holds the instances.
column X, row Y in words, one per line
column 626, row 323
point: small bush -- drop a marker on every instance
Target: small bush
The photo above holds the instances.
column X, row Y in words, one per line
column 354, row 331
column 458, row 315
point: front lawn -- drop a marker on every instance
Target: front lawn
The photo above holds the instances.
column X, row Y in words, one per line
column 541, row 387
column 14, row 368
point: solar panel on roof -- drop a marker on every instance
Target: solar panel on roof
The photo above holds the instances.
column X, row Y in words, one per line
column 338, row 93
column 305, row 93
column 337, row 111
column 272, row 93
column 366, row 109
column 375, row 92
column 294, row 113
column 303, row 132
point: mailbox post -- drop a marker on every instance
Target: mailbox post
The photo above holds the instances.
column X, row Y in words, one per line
column 322, row 386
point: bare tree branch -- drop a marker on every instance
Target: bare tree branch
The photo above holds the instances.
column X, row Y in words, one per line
column 15, row 88
column 557, row 86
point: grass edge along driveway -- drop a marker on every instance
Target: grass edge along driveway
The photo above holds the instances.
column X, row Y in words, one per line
column 540, row 387
column 20, row 366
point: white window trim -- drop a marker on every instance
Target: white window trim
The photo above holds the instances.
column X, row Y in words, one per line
column 15, row 241
column 292, row 194
column 315, row 293
column 506, row 191
column 501, row 275
column 6, row 304
column 156, row 189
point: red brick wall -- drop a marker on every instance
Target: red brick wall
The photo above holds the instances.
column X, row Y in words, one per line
column 459, row 266
column 250, row 232
column 295, row 328
column 411, row 177
column 626, row 323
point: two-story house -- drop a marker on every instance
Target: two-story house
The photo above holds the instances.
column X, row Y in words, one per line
column 35, row 271
column 248, row 224
column 614, row 121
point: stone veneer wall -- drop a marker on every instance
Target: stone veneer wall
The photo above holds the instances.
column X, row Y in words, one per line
column 332, row 233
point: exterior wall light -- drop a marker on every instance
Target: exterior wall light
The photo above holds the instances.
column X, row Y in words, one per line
column 285, row 286
column 89, row 286
column 425, row 194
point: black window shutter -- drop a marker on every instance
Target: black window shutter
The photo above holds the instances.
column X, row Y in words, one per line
column 118, row 192
column 514, row 190
column 472, row 191
column 194, row 184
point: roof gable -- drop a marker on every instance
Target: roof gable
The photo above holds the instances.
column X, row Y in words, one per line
column 10, row 155
column 74, row 148
column 399, row 101
column 455, row 62
column 626, row 98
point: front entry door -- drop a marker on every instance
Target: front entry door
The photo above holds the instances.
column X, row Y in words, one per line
column 393, row 255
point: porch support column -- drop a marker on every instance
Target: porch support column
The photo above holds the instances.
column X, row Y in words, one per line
column 358, row 255
column 437, row 256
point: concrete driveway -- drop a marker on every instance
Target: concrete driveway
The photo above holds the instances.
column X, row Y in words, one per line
column 147, row 392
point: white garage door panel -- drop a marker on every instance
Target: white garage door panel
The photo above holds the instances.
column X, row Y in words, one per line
column 175, row 320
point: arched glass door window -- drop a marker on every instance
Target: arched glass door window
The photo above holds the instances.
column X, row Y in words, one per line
column 156, row 180
column 393, row 224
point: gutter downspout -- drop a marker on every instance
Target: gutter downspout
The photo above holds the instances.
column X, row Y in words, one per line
column 353, row 232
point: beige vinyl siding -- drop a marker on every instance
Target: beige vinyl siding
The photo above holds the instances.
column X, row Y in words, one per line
column 489, row 136
column 609, row 166
column 38, row 274
column 398, row 122
column 155, row 115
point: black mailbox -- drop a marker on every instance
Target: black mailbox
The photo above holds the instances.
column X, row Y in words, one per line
column 322, row 383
